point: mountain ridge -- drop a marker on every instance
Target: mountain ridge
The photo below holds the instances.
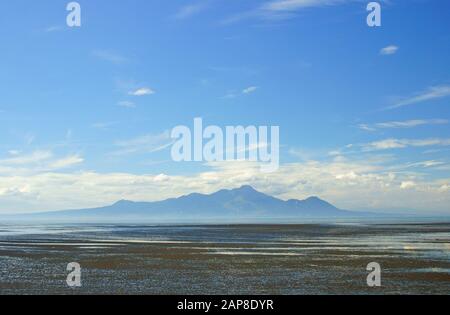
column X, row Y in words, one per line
column 244, row 203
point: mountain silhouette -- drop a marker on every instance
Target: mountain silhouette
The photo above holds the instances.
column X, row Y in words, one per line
column 241, row 203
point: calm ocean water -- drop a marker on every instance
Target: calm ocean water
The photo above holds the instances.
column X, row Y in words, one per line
column 227, row 259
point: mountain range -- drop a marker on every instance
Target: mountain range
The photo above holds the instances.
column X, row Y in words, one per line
column 242, row 204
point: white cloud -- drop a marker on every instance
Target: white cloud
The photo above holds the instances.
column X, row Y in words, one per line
column 33, row 158
column 110, row 56
column 127, row 104
column 389, row 50
column 66, row 162
column 142, row 92
column 281, row 9
column 294, row 5
column 407, row 185
column 230, row 95
column 445, row 188
column 246, row 91
column 403, row 124
column 366, row 127
column 190, row 10
column 403, row 143
column 148, row 144
column 54, row 28
column 411, row 123
column 36, row 162
column 432, row 93
column 104, row 125
column 249, row 90
column 426, row 164
column 357, row 185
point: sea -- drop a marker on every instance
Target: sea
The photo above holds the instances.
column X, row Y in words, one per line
column 229, row 259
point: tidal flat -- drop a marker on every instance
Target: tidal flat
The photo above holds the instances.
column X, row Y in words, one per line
column 226, row 259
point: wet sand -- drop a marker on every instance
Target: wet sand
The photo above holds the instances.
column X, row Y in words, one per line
column 239, row 259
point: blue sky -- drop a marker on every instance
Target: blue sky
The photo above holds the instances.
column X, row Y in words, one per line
column 86, row 113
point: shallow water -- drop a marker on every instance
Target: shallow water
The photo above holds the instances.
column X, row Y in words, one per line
column 234, row 259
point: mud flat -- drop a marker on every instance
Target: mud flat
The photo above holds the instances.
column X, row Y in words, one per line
column 234, row 259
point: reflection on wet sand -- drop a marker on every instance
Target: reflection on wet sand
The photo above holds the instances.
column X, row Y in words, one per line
column 239, row 259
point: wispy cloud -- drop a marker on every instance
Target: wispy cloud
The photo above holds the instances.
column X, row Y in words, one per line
column 110, row 56
column 53, row 28
column 249, row 90
column 389, row 50
column 190, row 10
column 230, row 95
column 281, row 9
column 403, row 143
column 402, row 124
column 104, row 125
column 34, row 157
column 426, row 164
column 144, row 144
column 142, row 91
column 432, row 93
column 13, row 152
column 66, row 162
column 235, row 94
column 295, row 5
column 36, row 162
column 29, row 138
column 127, row 104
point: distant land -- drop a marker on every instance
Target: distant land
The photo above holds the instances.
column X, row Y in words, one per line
column 244, row 204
